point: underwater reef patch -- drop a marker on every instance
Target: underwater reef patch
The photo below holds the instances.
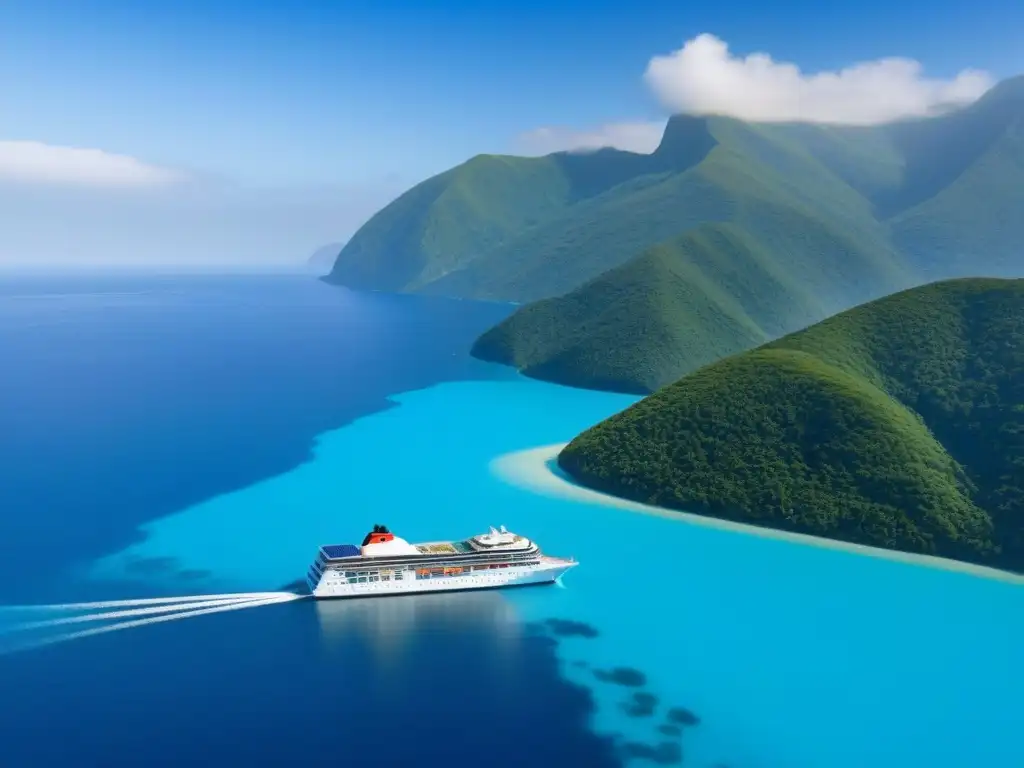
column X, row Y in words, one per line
column 626, row 676
column 642, row 704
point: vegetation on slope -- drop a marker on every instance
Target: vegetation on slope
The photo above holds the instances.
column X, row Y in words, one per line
column 954, row 187
column 898, row 424
column 707, row 294
column 527, row 228
column 749, row 172
column 959, row 210
column 847, row 213
column 432, row 228
column 711, row 292
column 448, row 221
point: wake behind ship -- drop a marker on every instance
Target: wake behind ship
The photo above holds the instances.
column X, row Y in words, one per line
column 388, row 565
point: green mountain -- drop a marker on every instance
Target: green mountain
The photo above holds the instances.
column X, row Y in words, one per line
column 960, row 204
column 898, row 424
column 441, row 225
column 521, row 229
column 621, row 251
column 709, row 293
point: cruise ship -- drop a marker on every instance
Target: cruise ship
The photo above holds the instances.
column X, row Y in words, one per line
column 388, row 565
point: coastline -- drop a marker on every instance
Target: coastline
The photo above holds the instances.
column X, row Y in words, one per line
column 534, row 469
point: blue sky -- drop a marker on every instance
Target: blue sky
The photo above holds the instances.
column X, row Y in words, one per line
column 291, row 122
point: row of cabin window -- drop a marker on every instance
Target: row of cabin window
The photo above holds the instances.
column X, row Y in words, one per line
column 516, row 556
column 438, row 569
column 361, row 577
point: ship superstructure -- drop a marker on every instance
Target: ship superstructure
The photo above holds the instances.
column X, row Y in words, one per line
column 388, row 565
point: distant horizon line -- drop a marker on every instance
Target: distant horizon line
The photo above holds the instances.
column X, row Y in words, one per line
column 299, row 268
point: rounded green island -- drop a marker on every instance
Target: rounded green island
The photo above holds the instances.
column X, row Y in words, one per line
column 896, row 424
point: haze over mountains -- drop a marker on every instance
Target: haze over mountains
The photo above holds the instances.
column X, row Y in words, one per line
column 636, row 269
column 321, row 261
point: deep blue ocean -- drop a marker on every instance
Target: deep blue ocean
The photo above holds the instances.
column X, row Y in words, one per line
column 202, row 435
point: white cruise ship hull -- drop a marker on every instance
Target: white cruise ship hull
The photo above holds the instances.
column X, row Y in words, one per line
column 333, row 584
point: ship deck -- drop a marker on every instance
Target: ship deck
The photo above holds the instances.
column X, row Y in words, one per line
column 444, row 548
column 428, row 552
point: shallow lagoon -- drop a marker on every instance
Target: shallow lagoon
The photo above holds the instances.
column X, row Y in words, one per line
column 789, row 654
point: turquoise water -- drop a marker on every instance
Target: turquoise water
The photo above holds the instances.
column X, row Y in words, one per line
column 173, row 436
column 127, row 399
column 791, row 655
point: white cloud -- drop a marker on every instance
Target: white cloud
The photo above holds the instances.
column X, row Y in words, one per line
column 633, row 137
column 38, row 163
column 703, row 77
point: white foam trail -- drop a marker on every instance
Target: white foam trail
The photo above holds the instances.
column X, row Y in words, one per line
column 282, row 597
column 107, row 615
column 142, row 601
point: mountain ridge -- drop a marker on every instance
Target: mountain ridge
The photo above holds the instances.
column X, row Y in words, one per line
column 902, row 204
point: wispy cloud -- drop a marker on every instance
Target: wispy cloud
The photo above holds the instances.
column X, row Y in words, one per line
column 33, row 162
column 630, row 136
column 704, row 77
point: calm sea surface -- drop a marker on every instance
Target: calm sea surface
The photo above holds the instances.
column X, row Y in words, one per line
column 171, row 437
